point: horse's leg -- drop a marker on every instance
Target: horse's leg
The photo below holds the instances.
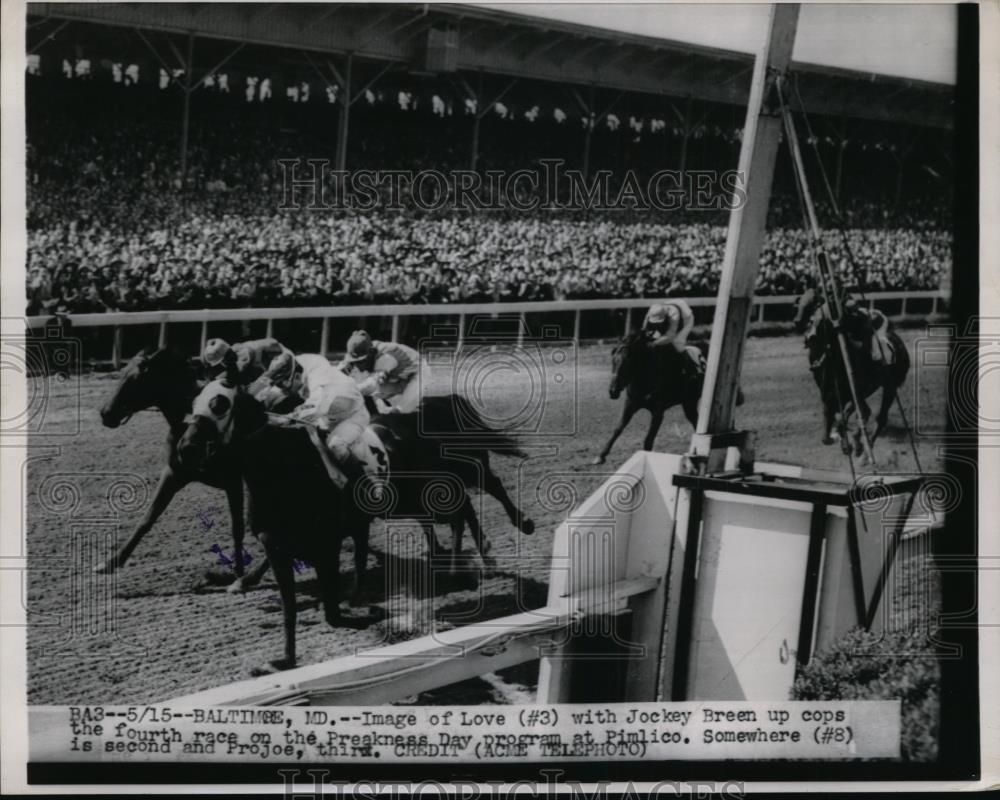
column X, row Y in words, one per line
column 359, row 532
column 483, row 545
column 655, row 420
column 234, row 494
column 281, row 565
column 457, row 524
column 494, row 487
column 432, row 542
column 628, row 411
column 882, row 419
column 169, row 484
column 861, row 431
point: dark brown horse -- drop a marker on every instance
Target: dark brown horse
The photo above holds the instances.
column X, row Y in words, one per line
column 826, row 363
column 654, row 378
column 163, row 379
column 295, row 510
column 297, row 513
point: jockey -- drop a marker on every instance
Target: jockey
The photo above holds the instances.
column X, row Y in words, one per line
column 395, row 371
column 867, row 326
column 244, row 362
column 668, row 325
column 333, row 405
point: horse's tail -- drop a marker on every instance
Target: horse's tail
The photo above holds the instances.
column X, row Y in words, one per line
column 453, row 416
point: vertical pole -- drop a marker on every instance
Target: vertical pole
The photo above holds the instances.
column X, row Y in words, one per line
column 586, row 147
column 162, row 342
column 395, row 327
column 934, row 300
column 576, row 326
column 475, row 141
column 628, row 321
column 902, row 308
column 760, row 312
column 832, row 306
column 324, row 337
column 461, row 331
column 186, row 117
column 686, row 132
column 476, row 119
column 841, row 146
column 521, row 325
column 345, row 117
column 204, row 336
column 116, row 347
column 270, row 329
column 761, row 135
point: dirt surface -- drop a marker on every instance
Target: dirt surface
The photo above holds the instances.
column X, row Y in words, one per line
column 161, row 628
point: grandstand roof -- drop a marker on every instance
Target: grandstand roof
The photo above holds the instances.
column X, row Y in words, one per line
column 502, row 43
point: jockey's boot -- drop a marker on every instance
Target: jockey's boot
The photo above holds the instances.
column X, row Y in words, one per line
column 334, row 468
column 876, row 349
column 370, row 461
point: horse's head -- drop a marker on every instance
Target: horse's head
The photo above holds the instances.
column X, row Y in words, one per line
column 623, row 364
column 807, row 304
column 154, row 377
column 221, row 413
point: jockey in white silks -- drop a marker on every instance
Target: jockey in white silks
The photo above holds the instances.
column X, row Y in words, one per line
column 333, row 405
column 395, row 371
column 668, row 325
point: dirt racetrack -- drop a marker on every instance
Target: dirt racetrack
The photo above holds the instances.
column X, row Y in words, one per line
column 159, row 628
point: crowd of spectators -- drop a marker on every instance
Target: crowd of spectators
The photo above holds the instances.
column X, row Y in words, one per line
column 111, row 228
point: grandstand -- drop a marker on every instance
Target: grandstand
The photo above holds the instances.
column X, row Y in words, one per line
column 155, row 133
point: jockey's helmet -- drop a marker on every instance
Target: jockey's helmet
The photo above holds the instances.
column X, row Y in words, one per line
column 215, row 351
column 656, row 315
column 359, row 346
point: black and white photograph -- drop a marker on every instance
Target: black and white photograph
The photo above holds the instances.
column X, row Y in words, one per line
column 455, row 396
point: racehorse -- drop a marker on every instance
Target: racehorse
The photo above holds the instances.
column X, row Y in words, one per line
column 293, row 506
column 430, row 482
column 652, row 378
column 827, row 366
column 164, row 379
column 294, row 510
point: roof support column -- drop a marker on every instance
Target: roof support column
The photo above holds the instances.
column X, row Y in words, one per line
column 477, row 117
column 343, row 121
column 761, row 135
column 186, row 114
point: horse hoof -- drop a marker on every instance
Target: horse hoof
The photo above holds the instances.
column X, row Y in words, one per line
column 828, row 440
column 527, row 527
column 237, row 587
column 106, row 568
column 271, row 667
column 596, row 461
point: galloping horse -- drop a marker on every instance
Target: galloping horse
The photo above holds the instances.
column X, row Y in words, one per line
column 163, row 379
column 827, row 366
column 652, row 378
column 293, row 505
column 294, row 509
column 444, row 466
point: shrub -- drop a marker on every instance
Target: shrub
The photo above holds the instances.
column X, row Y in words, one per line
column 866, row 666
